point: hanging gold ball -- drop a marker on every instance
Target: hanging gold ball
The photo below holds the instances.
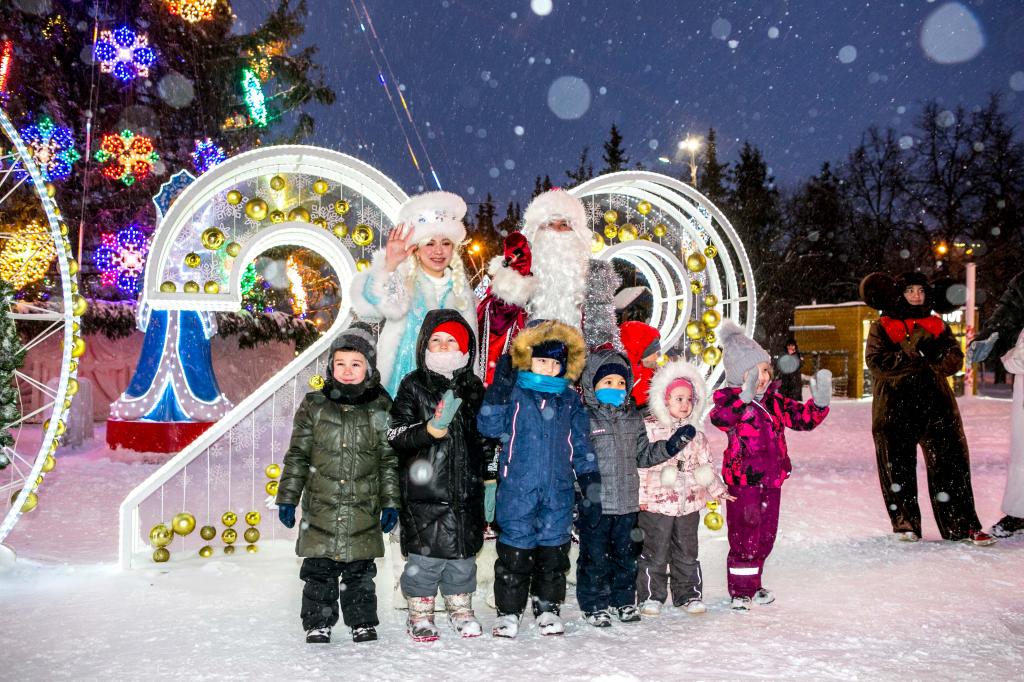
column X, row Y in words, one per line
column 49, row 464
column 611, row 230
column 75, row 327
column 61, row 428
column 362, row 235
column 211, row 287
column 710, row 337
column 341, row 206
column 597, row 243
column 321, row 223
column 229, row 535
column 643, row 208
column 277, row 183
column 168, row 287
column 256, row 209
column 271, row 488
column 662, row 360
column 252, row 549
column 694, row 330
column 160, row 535
column 299, row 214
column 712, row 505
column 207, row 532
column 251, row 535
column 696, row 262
column 321, row 186
column 183, row 523
column 273, row 470
column 711, row 318
column 67, row 404
column 161, row 555
column 78, row 305
column 696, row 347
column 234, row 197
column 72, row 386
column 627, row 232
column 51, row 190
column 233, row 249
column 340, row 230
column 252, row 518
column 712, row 355
column 316, row 382
column 277, row 216
column 229, row 518
column 73, row 366
column 710, row 251
column 212, row 238
column 77, row 346
column 660, row 230
column 713, row 520
column 229, row 549
column 206, row 551
column 191, row 287
column 192, row 260
column 31, row 500
column 710, row 300
column 72, row 266
column 695, row 286
column 611, row 216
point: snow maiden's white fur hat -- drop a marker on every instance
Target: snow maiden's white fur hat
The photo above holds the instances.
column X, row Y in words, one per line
column 556, row 204
column 434, row 214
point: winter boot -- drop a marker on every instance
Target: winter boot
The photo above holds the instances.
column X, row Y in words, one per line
column 763, row 596
column 651, row 608
column 364, row 633
column 507, row 625
column 461, row 616
column 741, row 604
column 694, row 607
column 421, row 619
column 550, row 623
column 628, row 614
column 908, row 536
column 599, row 619
column 1008, row 526
column 318, row 636
column 979, row 538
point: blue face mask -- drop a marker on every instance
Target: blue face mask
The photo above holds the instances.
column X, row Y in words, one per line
column 541, row 382
column 611, row 396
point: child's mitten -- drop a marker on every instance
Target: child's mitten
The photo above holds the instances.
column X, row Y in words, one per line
column 821, row 387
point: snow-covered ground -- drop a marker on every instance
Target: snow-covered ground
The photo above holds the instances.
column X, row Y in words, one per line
column 852, row 603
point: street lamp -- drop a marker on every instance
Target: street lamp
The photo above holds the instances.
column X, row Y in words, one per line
column 691, row 145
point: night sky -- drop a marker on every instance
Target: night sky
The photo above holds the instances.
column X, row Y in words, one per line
column 800, row 79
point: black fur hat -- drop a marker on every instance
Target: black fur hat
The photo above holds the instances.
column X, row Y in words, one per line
column 880, row 291
column 883, row 292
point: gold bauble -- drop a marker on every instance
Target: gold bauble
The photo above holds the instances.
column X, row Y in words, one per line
column 713, row 520
column 712, row 355
column 229, row 518
column 696, row 347
column 212, row 238
column 299, row 214
column 161, row 555
column 234, row 197
column 643, row 208
column 362, row 265
column 191, row 287
column 321, row 223
column 51, row 189
column 611, row 216
column 710, row 300
column 316, row 382
column 710, row 337
column 662, row 360
column 78, row 305
column 192, row 260
column 229, row 535
column 362, row 235
column 229, row 549
column 277, row 183
column 67, row 404
column 256, row 209
column 711, row 318
column 627, row 232
column 712, row 505
column 77, row 346
column 696, row 262
column 233, row 249
column 206, row 551
column 251, row 535
column 252, row 549
column 160, row 535
column 75, row 327
column 211, row 287
column 73, row 366
column 31, row 500
column 207, row 532
column 321, row 186
column 168, row 287
column 253, row 519
column 72, row 386
column 694, row 330
column 74, row 284
column 183, row 523
column 61, row 428
column 597, row 243
column 48, row 464
column 277, row 216
column 660, row 230
column 710, row 251
column 695, row 286
column 271, row 488
column 611, row 230
column 72, row 266
column 340, row 230
column 273, row 470
column 341, row 206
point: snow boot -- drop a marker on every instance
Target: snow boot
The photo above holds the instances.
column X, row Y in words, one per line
column 908, row 536
column 979, row 538
column 628, row 614
column 550, row 623
column 318, row 636
column 461, row 616
column 741, row 604
column 599, row 619
column 650, row 608
column 694, row 607
column 421, row 619
column 507, row 625
column 364, row 633
column 1008, row 526
column 764, row 597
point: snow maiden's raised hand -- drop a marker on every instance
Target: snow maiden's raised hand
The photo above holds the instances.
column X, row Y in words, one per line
column 399, row 247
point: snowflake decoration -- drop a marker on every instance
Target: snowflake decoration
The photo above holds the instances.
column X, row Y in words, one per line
column 264, row 192
column 185, row 479
column 210, row 270
column 222, row 210
column 595, row 215
column 124, row 53
column 52, row 147
column 349, row 244
column 121, row 258
column 206, row 154
column 219, row 474
column 369, row 215
column 192, row 11
column 127, row 157
column 328, row 215
column 301, row 182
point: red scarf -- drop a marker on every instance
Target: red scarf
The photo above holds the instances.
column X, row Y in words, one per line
column 898, row 330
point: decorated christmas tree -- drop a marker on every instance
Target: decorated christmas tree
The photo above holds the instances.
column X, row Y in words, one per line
column 12, row 355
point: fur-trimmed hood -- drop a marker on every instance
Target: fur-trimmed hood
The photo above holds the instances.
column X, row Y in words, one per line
column 678, row 369
column 550, row 330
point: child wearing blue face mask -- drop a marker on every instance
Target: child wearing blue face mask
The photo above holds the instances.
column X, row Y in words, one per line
column 609, row 540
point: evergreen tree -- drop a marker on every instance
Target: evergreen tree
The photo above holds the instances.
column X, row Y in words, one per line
column 584, row 170
column 614, row 156
column 711, row 174
column 546, row 185
column 12, row 356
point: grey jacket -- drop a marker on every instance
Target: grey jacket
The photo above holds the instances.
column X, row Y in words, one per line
column 619, row 438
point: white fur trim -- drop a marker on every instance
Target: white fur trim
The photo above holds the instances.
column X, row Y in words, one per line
column 434, row 214
column 556, row 203
column 678, row 369
column 704, row 475
column 508, row 285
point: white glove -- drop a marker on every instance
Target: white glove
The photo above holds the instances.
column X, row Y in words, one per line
column 821, row 388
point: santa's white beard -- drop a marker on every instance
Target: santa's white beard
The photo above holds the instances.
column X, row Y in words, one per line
column 560, row 264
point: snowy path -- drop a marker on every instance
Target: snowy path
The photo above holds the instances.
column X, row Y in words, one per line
column 852, row 603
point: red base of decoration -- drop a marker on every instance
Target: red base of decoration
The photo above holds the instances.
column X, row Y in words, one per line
column 143, row 436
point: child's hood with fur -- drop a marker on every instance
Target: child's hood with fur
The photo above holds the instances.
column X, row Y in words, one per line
column 678, row 369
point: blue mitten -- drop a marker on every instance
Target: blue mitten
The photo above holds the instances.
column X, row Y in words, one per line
column 504, row 380
column 388, row 519
column 449, row 405
column 680, row 439
column 286, row 513
column 980, row 349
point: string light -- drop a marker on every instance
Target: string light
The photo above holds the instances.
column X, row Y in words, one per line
column 192, row 11
column 121, row 258
column 124, row 53
column 255, row 101
column 6, row 59
column 27, row 255
column 299, row 304
column 206, row 154
column 127, row 157
column 52, row 147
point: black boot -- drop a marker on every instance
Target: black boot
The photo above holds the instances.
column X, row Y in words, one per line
column 1007, row 526
column 512, row 572
column 364, row 633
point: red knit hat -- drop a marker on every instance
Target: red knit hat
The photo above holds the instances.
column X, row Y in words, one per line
column 457, row 330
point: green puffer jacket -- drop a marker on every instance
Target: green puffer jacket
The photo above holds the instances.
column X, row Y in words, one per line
column 340, row 464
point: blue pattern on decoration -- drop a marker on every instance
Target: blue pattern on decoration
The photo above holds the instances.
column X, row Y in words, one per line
column 170, row 190
column 149, row 358
column 167, row 409
column 196, row 359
